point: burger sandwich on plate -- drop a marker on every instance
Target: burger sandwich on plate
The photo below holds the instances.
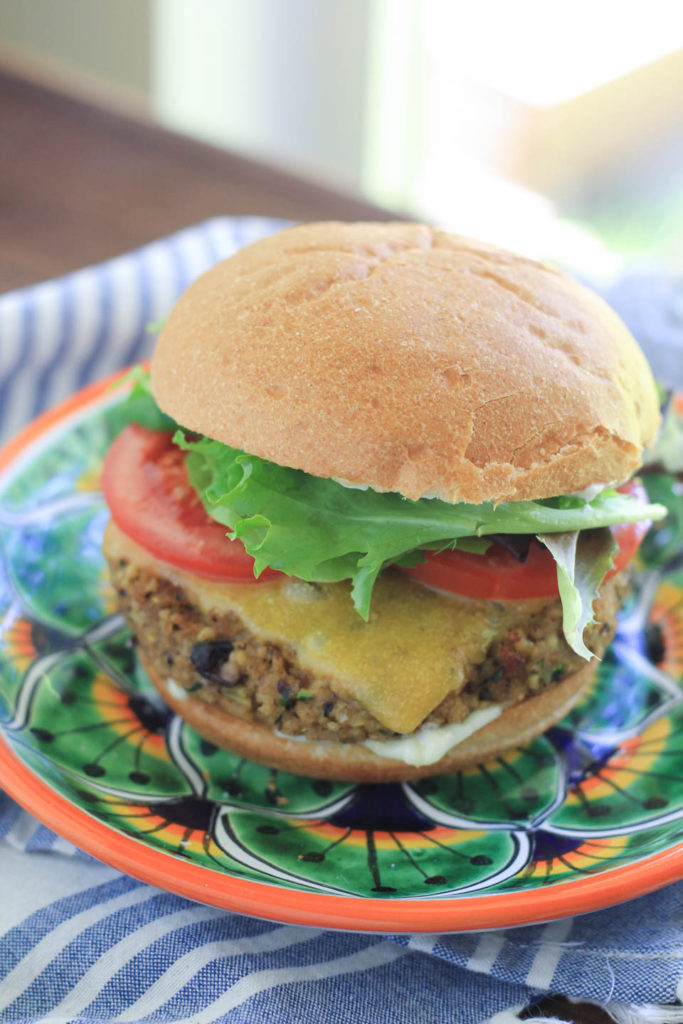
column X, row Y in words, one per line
column 375, row 517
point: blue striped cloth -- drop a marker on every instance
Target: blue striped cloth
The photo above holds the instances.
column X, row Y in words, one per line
column 62, row 334
column 80, row 942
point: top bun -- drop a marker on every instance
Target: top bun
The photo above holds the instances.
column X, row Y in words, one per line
column 408, row 359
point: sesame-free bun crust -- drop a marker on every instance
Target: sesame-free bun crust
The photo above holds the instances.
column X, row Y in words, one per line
column 408, row 359
column 354, row 762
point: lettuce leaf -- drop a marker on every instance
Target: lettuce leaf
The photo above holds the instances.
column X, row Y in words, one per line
column 583, row 560
column 667, row 450
column 320, row 530
column 139, row 406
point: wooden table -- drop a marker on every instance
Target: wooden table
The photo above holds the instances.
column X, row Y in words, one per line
column 80, row 184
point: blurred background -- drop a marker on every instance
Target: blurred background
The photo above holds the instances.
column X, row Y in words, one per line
column 534, row 124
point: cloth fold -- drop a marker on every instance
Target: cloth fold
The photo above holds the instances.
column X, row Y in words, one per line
column 80, row 942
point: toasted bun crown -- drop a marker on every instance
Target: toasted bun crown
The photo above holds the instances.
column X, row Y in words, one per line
column 411, row 360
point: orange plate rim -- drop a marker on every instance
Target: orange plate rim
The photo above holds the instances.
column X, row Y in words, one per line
column 290, row 906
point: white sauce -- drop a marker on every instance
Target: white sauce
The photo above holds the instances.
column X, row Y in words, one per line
column 430, row 743
column 175, row 690
column 427, row 745
column 350, row 486
column 592, row 491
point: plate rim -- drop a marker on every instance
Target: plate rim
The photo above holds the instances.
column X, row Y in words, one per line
column 295, row 906
column 348, row 913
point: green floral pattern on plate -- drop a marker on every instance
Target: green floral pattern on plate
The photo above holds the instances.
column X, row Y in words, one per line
column 602, row 789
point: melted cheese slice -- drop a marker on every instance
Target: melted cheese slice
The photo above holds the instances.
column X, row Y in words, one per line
column 400, row 665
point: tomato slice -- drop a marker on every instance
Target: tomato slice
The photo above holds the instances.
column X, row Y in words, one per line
column 629, row 535
column 145, row 484
column 497, row 574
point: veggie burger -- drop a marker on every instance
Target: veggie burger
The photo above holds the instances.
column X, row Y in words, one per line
column 373, row 517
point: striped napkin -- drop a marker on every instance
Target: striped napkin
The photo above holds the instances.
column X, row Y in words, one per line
column 80, row 942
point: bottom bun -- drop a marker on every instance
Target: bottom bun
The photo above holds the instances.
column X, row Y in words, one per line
column 354, row 762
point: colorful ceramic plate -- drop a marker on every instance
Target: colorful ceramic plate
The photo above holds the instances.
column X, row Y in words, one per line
column 586, row 816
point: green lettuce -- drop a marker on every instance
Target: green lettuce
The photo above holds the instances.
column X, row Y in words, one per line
column 139, row 406
column 667, row 450
column 583, row 560
column 320, row 530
